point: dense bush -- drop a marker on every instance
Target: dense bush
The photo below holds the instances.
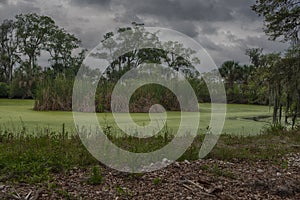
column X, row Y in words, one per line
column 3, row 90
column 23, row 86
column 54, row 94
column 21, row 89
column 146, row 96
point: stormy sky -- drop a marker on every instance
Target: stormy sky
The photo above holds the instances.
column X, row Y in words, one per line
column 225, row 28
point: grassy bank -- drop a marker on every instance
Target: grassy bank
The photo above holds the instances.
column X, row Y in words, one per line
column 33, row 159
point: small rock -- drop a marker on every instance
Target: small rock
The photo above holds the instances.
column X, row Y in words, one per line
column 278, row 174
column 187, row 162
column 260, row 184
column 260, row 171
column 165, row 160
column 283, row 191
column 177, row 164
column 189, row 198
column 2, row 187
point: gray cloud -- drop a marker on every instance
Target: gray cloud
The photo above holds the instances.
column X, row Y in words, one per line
column 185, row 27
column 89, row 3
column 224, row 27
column 208, row 29
column 10, row 10
column 3, row 1
column 199, row 10
column 269, row 46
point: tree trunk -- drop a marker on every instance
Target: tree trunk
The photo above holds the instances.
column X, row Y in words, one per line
column 280, row 113
column 287, row 109
column 275, row 110
column 296, row 113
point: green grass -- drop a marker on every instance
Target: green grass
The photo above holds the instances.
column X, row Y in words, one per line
column 24, row 158
column 16, row 114
column 95, row 178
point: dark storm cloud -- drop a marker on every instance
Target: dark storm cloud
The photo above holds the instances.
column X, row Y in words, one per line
column 3, row 1
column 226, row 28
column 241, row 8
column 180, row 15
column 200, row 10
column 90, row 2
column 186, row 16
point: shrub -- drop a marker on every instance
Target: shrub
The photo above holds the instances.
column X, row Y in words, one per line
column 96, row 178
column 141, row 101
column 4, row 88
column 54, row 94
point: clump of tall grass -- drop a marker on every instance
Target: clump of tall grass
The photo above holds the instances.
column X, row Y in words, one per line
column 32, row 158
column 54, row 94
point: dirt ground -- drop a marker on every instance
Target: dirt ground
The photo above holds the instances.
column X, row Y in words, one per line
column 202, row 179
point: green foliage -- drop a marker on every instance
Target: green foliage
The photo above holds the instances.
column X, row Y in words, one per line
column 120, row 190
column 123, row 191
column 152, row 94
column 157, row 181
column 146, row 96
column 275, row 129
column 255, row 56
column 237, row 80
column 204, row 167
column 96, row 178
column 271, row 146
column 23, row 40
column 200, row 88
column 31, row 159
column 49, row 96
column 9, row 45
column 281, row 18
column 176, row 57
column 4, row 90
column 217, row 171
column 275, row 80
column 33, row 32
column 60, row 47
column 17, row 90
column 54, row 94
column 21, row 87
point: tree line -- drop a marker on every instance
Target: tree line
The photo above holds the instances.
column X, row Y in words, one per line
column 271, row 79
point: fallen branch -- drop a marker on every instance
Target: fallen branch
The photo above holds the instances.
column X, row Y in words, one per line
column 204, row 192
